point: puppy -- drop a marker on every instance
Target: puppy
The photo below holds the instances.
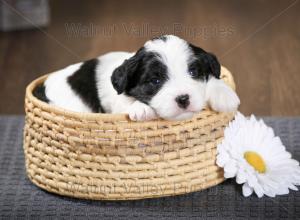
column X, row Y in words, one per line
column 167, row 78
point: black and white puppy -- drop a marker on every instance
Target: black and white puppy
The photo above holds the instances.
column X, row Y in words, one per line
column 167, row 78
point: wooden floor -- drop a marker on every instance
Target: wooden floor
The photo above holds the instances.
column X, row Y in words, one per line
column 259, row 41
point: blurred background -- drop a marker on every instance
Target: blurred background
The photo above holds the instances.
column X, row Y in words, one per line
column 258, row 40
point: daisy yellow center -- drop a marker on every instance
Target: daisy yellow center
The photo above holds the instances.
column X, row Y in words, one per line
column 256, row 161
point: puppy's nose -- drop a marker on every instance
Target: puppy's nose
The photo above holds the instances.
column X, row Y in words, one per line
column 183, row 101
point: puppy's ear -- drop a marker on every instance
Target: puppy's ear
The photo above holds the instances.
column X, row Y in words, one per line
column 121, row 75
column 213, row 64
column 209, row 61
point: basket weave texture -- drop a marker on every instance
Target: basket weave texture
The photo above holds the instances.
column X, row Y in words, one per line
column 109, row 157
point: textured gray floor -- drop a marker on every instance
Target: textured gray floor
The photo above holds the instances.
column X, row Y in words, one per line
column 21, row 199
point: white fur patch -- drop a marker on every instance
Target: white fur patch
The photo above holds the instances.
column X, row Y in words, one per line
column 220, row 96
column 110, row 100
column 139, row 111
column 59, row 92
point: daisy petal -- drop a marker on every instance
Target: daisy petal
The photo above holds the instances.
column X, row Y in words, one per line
column 247, row 190
column 222, row 159
column 241, row 177
column 230, row 169
column 258, row 191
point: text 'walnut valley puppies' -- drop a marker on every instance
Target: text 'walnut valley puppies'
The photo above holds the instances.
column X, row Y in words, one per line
column 167, row 78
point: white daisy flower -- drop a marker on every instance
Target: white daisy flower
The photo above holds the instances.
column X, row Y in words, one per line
column 257, row 158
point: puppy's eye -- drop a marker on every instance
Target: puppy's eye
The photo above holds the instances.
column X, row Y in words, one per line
column 193, row 72
column 155, row 81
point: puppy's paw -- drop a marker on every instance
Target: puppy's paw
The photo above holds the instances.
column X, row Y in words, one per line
column 221, row 97
column 141, row 112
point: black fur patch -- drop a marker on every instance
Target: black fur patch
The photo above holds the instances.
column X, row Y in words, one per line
column 39, row 92
column 141, row 76
column 163, row 38
column 83, row 82
column 205, row 64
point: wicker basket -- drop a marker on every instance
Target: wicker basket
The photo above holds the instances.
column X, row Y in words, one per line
column 109, row 157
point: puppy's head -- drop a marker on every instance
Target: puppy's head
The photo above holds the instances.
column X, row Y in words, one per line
column 169, row 75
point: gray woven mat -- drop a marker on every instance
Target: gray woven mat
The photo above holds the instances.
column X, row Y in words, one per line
column 21, row 199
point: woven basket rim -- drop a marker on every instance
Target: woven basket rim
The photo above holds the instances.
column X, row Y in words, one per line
column 97, row 116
